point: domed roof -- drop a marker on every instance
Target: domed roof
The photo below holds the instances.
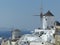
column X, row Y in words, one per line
column 48, row 14
column 16, row 30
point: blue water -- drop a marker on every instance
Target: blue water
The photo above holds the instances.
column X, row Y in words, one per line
column 7, row 34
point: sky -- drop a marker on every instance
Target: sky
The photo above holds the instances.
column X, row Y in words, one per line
column 20, row 13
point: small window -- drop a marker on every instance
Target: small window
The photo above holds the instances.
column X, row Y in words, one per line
column 46, row 19
column 24, row 42
column 41, row 33
column 52, row 26
column 42, row 43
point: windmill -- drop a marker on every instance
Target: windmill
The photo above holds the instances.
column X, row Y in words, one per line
column 41, row 12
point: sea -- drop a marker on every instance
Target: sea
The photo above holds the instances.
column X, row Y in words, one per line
column 6, row 33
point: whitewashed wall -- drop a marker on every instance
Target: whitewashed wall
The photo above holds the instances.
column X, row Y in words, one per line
column 48, row 21
column 40, row 43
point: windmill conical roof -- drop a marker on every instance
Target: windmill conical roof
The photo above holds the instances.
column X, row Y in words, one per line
column 48, row 14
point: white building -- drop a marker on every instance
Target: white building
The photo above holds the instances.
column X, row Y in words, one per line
column 14, row 42
column 47, row 32
column 40, row 43
column 48, row 20
column 26, row 39
column 43, row 36
column 5, row 42
column 16, row 34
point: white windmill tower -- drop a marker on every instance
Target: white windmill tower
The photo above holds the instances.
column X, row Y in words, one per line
column 48, row 20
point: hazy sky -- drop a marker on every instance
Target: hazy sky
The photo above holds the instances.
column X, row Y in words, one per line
column 19, row 13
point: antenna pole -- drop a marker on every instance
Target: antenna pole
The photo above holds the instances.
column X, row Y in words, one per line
column 41, row 12
column 41, row 7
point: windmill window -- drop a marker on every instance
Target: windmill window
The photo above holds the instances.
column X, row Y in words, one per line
column 42, row 43
column 52, row 26
column 24, row 42
column 46, row 19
